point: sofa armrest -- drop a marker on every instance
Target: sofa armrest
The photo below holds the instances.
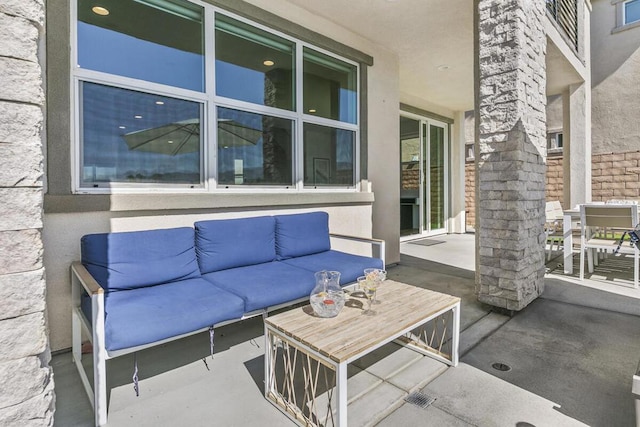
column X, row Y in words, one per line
column 380, row 244
column 97, row 392
column 86, row 279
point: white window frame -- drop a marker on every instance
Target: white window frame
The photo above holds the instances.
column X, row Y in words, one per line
column 621, row 24
column 210, row 101
column 552, row 147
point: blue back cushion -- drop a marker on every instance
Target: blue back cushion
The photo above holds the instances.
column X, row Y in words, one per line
column 302, row 234
column 130, row 260
column 229, row 243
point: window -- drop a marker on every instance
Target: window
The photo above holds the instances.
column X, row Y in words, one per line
column 469, row 153
column 253, row 65
column 328, row 156
column 627, row 14
column 158, row 108
column 134, row 40
column 132, row 136
column 554, row 142
column 254, row 149
column 631, row 11
column 329, row 87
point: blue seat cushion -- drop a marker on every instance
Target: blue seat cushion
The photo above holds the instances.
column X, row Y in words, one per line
column 265, row 285
column 146, row 315
column 350, row 266
column 302, row 234
column 229, row 243
column 129, row 260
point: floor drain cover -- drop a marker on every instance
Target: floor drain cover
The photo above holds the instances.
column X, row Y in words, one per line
column 419, row 399
column 501, row 367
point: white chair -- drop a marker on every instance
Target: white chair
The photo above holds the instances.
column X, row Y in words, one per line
column 605, row 231
column 621, row 202
column 595, row 217
column 553, row 226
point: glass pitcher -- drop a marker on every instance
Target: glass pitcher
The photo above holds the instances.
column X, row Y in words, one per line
column 327, row 297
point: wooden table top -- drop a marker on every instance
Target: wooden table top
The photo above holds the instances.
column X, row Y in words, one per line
column 351, row 333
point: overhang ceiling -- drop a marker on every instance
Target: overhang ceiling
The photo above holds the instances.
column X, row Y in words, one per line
column 433, row 40
column 434, row 43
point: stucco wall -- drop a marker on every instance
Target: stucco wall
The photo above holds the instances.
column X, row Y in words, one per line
column 554, row 113
column 63, row 227
column 615, row 65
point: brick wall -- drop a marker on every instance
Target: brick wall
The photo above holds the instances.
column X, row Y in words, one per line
column 615, row 176
column 554, row 188
column 470, row 195
column 410, row 176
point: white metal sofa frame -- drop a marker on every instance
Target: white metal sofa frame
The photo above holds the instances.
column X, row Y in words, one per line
column 81, row 280
column 622, row 217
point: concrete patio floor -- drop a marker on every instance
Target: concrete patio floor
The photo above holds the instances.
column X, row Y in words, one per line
column 572, row 354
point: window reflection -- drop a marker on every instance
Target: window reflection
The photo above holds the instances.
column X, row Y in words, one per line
column 328, row 156
column 130, row 136
column 137, row 137
column 156, row 41
column 253, row 65
column 330, row 88
column 254, row 149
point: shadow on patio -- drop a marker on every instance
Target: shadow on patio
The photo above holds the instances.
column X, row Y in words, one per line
column 572, row 354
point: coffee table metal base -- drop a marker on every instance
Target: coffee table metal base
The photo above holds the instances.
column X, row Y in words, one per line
column 309, row 384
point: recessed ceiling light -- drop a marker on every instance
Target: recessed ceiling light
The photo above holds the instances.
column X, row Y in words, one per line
column 159, row 102
column 99, row 10
column 443, row 67
column 137, row 117
column 268, row 62
column 312, row 110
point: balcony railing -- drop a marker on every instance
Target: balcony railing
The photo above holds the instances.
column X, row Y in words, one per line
column 565, row 13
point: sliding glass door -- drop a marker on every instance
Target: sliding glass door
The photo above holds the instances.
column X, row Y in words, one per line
column 424, row 169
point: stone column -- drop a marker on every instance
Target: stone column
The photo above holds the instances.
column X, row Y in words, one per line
column 510, row 151
column 27, row 397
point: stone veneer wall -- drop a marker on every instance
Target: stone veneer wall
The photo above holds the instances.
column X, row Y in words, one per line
column 511, row 152
column 614, row 176
column 27, row 397
column 554, row 187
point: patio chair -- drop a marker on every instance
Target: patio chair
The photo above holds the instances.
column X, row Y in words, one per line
column 613, row 231
column 553, row 226
column 593, row 219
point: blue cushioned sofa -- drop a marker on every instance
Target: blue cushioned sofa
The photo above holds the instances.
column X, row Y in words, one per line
column 134, row 290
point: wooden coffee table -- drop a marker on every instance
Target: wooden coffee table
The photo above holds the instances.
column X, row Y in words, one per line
column 307, row 356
